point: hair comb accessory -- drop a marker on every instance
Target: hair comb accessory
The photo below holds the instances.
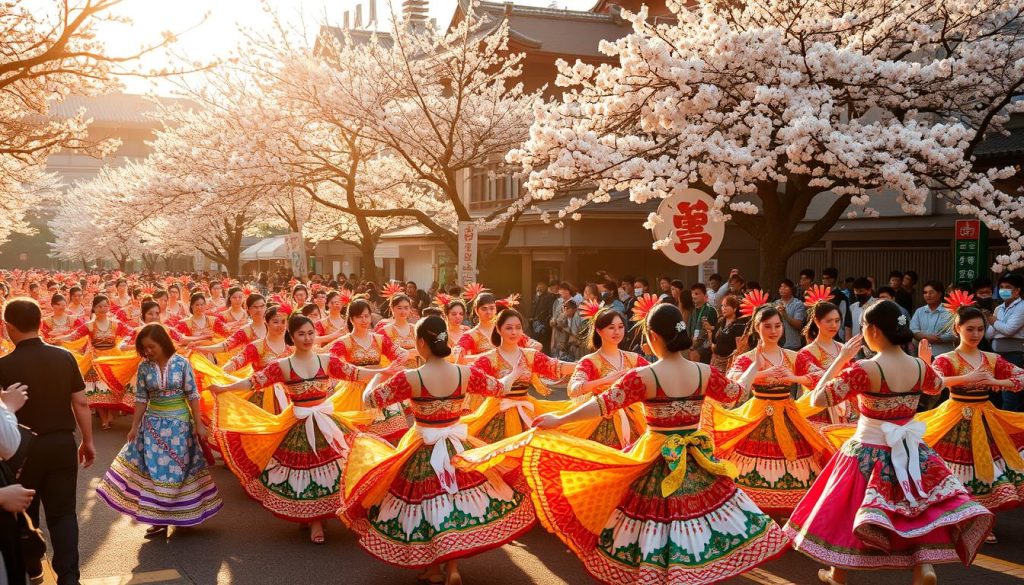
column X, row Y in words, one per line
column 902, row 320
column 752, row 301
column 442, row 336
column 680, row 327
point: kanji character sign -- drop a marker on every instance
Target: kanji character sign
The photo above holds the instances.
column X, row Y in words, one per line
column 686, row 218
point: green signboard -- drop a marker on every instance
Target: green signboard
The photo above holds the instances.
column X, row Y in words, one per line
column 970, row 250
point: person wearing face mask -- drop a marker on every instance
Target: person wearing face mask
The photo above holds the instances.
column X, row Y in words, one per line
column 1006, row 330
column 862, row 299
column 983, row 295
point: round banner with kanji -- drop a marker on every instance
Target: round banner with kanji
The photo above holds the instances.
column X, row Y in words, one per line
column 686, row 218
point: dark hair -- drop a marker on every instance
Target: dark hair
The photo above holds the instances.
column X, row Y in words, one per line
column 296, row 322
column 604, row 318
column 569, row 304
column 331, row 295
column 788, row 283
column 57, row 298
column 434, row 331
column 733, row 302
column 73, row 290
column 753, row 285
column 431, row 310
column 830, row 272
column 715, row 276
column 96, row 300
column 664, row 319
column 157, row 333
column 885, row 315
column 885, row 290
column 452, row 304
column 252, row 299
column 938, row 286
column 677, row 284
column 146, row 307
column 484, row 298
column 1013, row 279
column 762, row 314
column 981, row 282
column 912, row 275
column 195, row 298
column 862, row 283
column 355, row 308
column 896, row 274
column 159, row 294
column 23, row 314
column 308, row 309
column 298, row 287
column 271, row 311
column 699, row 286
column 565, row 285
column 808, row 272
column 398, row 298
column 642, row 281
column 503, row 316
column 120, row 281
column 175, row 286
column 965, row 314
column 820, row 310
column 231, row 291
column 216, row 283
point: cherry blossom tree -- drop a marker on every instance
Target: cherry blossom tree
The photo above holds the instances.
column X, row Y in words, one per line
column 774, row 106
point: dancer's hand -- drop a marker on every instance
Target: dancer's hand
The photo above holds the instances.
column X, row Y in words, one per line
column 851, row 347
column 924, row 351
column 547, row 421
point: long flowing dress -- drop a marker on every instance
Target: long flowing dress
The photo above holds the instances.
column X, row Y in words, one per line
column 119, row 372
column 290, row 463
column 498, row 418
column 666, row 511
column 161, row 477
column 259, row 355
column 101, row 343
column 616, row 429
column 50, row 328
column 886, row 500
column 390, row 422
column 982, row 445
column 777, row 452
column 813, row 360
column 406, row 342
column 408, row 505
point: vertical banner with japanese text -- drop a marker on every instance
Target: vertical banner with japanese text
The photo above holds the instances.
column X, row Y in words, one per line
column 970, row 250
column 694, row 237
column 296, row 250
column 467, row 252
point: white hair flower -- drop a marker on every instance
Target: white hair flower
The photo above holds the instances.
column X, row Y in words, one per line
column 680, row 327
column 902, row 320
column 442, row 336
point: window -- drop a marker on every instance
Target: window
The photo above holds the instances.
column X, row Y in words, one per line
column 489, row 189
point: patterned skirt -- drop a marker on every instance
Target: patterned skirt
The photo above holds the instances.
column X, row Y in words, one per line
column 396, row 504
column 856, row 515
column 97, row 392
column 389, row 423
column 983, row 447
column 272, row 457
column 501, row 418
column 617, row 430
column 777, row 453
column 161, row 477
column 118, row 372
column 664, row 512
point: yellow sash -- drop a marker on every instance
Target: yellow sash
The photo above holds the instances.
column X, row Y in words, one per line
column 677, row 448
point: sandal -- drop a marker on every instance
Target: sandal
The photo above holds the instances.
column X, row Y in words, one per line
column 991, row 539
column 317, row 538
column 825, row 576
column 154, row 531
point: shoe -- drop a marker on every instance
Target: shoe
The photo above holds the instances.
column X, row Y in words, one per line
column 825, row 576
column 154, row 531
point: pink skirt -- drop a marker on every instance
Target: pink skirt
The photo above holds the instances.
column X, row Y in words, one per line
column 855, row 515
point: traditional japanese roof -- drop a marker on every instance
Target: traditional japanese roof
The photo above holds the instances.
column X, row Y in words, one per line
column 116, row 109
column 358, row 35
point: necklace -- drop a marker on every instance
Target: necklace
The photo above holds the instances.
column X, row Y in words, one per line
column 518, row 354
column 832, row 356
column 622, row 361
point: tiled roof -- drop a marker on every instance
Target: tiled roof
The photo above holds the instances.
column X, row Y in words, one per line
column 999, row 145
column 123, row 109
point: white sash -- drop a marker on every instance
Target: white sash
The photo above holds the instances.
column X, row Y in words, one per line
column 904, row 442
column 522, row 406
column 440, row 460
column 321, row 415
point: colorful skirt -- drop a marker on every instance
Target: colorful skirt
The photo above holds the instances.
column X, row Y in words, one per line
column 119, row 372
column 273, row 457
column 665, row 512
column 403, row 514
column 777, row 453
column 618, row 430
column 97, row 392
column 982, row 445
column 500, row 418
column 389, row 423
column 856, row 515
column 207, row 374
column 161, row 477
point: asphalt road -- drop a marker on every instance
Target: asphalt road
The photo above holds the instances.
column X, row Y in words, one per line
column 245, row 545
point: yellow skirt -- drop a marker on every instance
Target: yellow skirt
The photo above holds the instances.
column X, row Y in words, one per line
column 389, row 423
column 500, row 418
column 617, row 430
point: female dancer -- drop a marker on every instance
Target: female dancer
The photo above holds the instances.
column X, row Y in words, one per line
column 408, row 505
column 666, row 511
column 103, row 332
column 479, row 339
column 176, row 309
column 76, row 308
column 496, row 419
column 160, row 476
column 60, row 322
column 454, row 314
column 292, row 462
column 822, row 350
column 726, row 334
column 597, row 371
column 778, row 453
column 217, row 303
column 261, row 353
column 122, row 298
column 363, row 347
column 235, row 313
column 981, row 444
column 255, row 307
column 399, row 330
column 333, row 326
column 199, row 324
column 885, row 500
column 300, row 296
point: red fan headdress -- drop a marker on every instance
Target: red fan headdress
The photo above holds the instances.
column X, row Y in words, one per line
column 589, row 310
column 391, row 289
column 818, row 293
column 442, row 299
column 472, row 291
column 225, row 283
column 247, row 291
column 509, row 302
column 957, row 299
column 346, row 296
column 752, row 301
column 643, row 306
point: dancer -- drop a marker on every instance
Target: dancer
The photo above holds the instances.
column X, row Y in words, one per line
column 885, row 500
column 398, row 329
column 777, row 452
column 821, row 331
column 333, row 326
column 454, row 314
column 198, row 323
column 408, row 505
column 255, row 308
column 292, row 462
column 479, row 339
column 261, row 353
column 160, row 476
column 176, row 309
column 666, row 511
column 597, row 371
column 60, row 322
column 235, row 312
column 981, row 444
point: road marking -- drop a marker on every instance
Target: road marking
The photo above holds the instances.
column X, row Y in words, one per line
column 137, row 578
column 998, row 565
column 765, row 578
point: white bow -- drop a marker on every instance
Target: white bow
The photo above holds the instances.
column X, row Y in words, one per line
column 321, row 414
column 520, row 405
column 904, row 441
column 440, row 460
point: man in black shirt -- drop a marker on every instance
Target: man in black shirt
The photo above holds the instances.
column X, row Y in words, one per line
column 55, row 407
column 540, row 316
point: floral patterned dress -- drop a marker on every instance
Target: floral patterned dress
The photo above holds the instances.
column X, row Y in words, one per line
column 616, row 429
column 161, row 477
column 982, row 445
column 665, row 511
column 390, row 422
column 408, row 505
column 886, row 500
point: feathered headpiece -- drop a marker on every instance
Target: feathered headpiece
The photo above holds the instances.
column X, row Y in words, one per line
column 958, row 299
column 442, row 299
column 225, row 283
column 509, row 302
column 247, row 291
column 643, row 306
column 472, row 291
column 589, row 310
column 818, row 293
column 752, row 301
column 346, row 296
column 391, row 289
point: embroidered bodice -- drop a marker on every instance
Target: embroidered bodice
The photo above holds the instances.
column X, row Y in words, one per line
column 955, row 364
column 430, row 409
column 176, row 380
column 50, row 328
column 101, row 338
column 812, row 358
column 242, row 337
column 211, row 325
column 301, row 389
column 883, row 404
column 258, row 354
column 406, row 342
column 325, row 327
column 771, row 388
column 537, row 363
column 595, row 366
column 664, row 411
column 353, row 352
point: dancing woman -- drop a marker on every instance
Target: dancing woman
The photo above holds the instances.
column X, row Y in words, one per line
column 399, row 330
column 408, row 505
column 60, row 322
column 235, row 312
column 666, row 511
column 256, row 329
column 199, row 323
column 822, row 349
column 480, row 339
column 886, row 500
column 333, row 326
column 292, row 462
column 454, row 315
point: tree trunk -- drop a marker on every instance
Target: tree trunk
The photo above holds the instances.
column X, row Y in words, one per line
column 367, row 248
column 773, row 260
column 85, row 264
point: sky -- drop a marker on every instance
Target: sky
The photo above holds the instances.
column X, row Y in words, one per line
column 219, row 33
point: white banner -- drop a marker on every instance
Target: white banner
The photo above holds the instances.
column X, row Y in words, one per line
column 706, row 269
column 467, row 252
column 296, row 250
column 686, row 221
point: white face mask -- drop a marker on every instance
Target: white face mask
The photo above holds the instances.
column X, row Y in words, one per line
column 623, row 295
column 638, row 292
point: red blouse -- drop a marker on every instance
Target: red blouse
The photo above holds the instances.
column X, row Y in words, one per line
column 301, row 389
column 664, row 410
column 883, row 404
column 428, row 408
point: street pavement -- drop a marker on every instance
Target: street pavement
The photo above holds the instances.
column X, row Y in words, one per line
column 245, row 545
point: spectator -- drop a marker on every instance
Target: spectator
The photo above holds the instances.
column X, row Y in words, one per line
column 700, row 324
column 419, row 298
column 714, row 283
column 57, row 403
column 862, row 299
column 888, row 293
column 896, row 281
column 906, row 292
column 664, row 284
column 848, row 289
column 727, row 334
column 14, row 498
column 576, row 344
column 983, row 294
column 610, row 297
column 806, row 281
column 734, row 285
column 793, row 315
column 932, row 321
column 540, row 316
column 564, row 295
column 1006, row 330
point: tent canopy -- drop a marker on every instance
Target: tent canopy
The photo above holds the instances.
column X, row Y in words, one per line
column 274, row 248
